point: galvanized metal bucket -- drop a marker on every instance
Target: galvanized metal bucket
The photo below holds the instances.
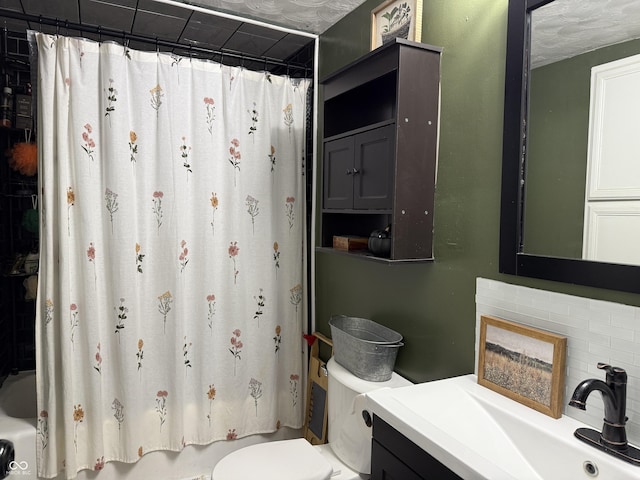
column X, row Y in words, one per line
column 364, row 347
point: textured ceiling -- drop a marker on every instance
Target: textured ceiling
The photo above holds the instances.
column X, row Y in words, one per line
column 235, row 27
column 313, row 16
column 565, row 28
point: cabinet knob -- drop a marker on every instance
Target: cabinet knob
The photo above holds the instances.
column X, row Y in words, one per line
column 348, row 172
column 356, row 171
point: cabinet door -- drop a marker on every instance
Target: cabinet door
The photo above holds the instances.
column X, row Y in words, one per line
column 373, row 169
column 395, row 457
column 338, row 173
column 385, row 466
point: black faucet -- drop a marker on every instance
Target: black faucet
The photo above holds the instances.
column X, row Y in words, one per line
column 613, row 438
column 614, row 396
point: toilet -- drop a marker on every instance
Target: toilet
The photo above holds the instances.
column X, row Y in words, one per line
column 346, row 456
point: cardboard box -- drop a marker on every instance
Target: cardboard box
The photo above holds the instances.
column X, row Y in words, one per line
column 350, row 242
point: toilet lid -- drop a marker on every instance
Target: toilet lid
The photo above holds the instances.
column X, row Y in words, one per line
column 283, row 460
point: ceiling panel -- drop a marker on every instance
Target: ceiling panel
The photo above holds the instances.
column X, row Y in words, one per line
column 249, row 44
column 160, row 20
column 203, row 32
column 208, row 30
column 286, row 47
column 253, row 39
column 62, row 9
column 158, row 26
column 108, row 14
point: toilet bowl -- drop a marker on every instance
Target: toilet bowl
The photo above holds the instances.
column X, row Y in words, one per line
column 346, row 456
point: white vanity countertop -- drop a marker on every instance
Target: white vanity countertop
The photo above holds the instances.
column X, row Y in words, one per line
column 478, row 433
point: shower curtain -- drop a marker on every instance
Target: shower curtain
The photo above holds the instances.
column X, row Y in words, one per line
column 171, row 300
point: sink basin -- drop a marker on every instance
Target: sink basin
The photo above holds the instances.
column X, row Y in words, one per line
column 479, row 433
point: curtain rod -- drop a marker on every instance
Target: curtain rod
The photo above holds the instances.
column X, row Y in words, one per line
column 110, row 32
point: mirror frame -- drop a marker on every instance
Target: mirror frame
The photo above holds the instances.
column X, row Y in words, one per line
column 512, row 261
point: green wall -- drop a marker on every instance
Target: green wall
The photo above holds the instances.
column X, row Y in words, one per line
column 557, row 151
column 433, row 305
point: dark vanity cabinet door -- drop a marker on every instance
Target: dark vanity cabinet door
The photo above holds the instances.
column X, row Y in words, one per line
column 395, row 457
column 386, row 466
column 358, row 171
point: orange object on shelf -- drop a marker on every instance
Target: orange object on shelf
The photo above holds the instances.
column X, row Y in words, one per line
column 24, row 158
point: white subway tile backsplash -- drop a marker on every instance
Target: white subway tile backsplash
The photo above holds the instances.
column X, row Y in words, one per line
column 580, row 313
column 625, row 360
column 624, row 345
column 597, row 327
column 601, row 351
column 597, row 339
column 621, row 333
column 596, row 331
column 577, row 348
column 627, row 322
column 555, row 308
column 579, row 334
column 569, row 321
column 610, row 308
column 599, row 316
column 530, row 311
column 496, row 302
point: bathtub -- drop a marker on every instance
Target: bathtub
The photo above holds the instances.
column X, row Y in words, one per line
column 18, row 422
column 18, row 413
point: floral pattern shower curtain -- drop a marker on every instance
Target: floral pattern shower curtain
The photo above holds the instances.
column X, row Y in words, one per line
column 171, row 297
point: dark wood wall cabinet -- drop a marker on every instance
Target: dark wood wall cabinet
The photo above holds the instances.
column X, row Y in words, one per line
column 380, row 144
column 395, row 457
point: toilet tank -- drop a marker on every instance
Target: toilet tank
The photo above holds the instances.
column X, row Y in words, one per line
column 349, row 437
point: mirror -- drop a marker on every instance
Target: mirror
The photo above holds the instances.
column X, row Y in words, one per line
column 541, row 226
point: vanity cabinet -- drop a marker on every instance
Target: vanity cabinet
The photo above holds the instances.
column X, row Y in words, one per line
column 380, row 124
column 394, row 457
